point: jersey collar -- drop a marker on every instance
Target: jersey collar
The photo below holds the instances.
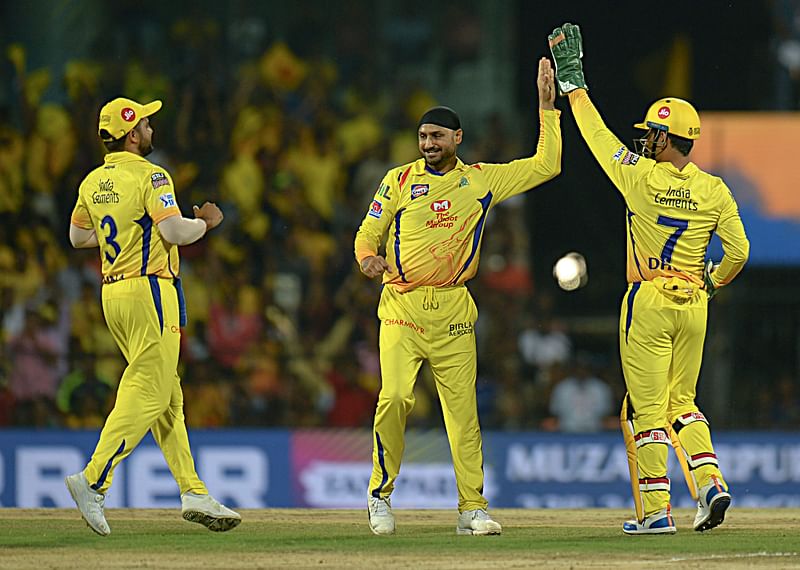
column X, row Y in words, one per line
column 687, row 171
column 420, row 167
column 123, row 156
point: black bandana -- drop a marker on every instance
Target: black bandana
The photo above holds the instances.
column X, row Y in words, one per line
column 442, row 116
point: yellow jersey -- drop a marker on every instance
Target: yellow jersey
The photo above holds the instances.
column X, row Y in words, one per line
column 435, row 221
column 671, row 213
column 123, row 201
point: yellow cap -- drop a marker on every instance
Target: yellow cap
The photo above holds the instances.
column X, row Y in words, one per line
column 673, row 115
column 118, row 117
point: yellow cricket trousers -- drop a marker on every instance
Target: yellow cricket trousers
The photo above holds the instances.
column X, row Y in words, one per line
column 437, row 325
column 143, row 316
column 661, row 340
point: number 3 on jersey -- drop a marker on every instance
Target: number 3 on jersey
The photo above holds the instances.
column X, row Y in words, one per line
column 112, row 233
column 680, row 227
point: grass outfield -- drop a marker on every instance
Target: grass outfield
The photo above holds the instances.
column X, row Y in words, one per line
column 294, row 538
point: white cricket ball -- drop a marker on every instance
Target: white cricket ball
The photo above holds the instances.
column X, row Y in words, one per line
column 570, row 271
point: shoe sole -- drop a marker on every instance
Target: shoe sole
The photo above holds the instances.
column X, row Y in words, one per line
column 672, row 530
column 469, row 532
column 717, row 515
column 214, row 524
column 73, row 493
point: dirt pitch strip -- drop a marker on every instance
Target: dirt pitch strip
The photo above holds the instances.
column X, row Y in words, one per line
column 44, row 539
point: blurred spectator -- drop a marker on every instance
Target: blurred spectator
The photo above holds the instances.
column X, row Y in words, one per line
column 37, row 358
column 234, row 323
column 84, row 397
column 353, row 403
column 786, row 406
column 786, row 49
column 581, row 402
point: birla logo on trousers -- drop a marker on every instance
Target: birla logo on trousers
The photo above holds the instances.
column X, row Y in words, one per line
column 441, row 205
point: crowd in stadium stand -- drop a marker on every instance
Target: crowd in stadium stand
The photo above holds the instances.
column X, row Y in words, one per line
column 282, row 328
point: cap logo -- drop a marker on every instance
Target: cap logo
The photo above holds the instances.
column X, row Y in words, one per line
column 663, row 112
column 129, row 114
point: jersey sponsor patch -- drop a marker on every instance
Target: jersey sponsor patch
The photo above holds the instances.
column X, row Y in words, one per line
column 630, row 158
column 463, row 182
column 159, row 179
column 418, row 190
column 440, row 205
column 376, row 209
column 618, row 154
column 383, row 191
column 168, row 200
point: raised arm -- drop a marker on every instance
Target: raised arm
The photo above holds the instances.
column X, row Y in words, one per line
column 621, row 165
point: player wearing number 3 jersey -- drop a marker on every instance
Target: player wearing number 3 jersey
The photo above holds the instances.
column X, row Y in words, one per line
column 127, row 207
column 673, row 208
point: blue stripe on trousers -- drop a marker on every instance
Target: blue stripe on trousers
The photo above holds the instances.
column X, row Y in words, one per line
column 629, row 318
column 156, row 291
column 382, row 461
column 107, row 468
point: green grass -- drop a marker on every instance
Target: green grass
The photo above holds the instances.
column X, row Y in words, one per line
column 55, row 538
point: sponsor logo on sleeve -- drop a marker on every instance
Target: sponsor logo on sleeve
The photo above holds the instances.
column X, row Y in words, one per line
column 376, row 209
column 618, row 153
column 630, row 159
column 418, row 190
column 167, row 200
column 159, row 179
column 383, row 191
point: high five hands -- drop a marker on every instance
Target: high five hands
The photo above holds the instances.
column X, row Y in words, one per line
column 546, row 84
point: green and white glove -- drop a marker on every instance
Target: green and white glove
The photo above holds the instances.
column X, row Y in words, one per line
column 566, row 45
column 711, row 289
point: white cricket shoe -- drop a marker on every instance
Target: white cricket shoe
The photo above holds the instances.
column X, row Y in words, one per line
column 90, row 503
column 712, row 503
column 381, row 519
column 477, row 522
column 657, row 523
column 207, row 511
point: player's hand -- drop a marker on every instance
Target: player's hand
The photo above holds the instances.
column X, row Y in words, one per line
column 566, row 45
column 546, row 84
column 210, row 214
column 710, row 268
column 374, row 265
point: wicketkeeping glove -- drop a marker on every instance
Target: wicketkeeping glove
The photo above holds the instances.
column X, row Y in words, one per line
column 711, row 289
column 566, row 46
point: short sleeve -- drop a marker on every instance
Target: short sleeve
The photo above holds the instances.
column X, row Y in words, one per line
column 160, row 196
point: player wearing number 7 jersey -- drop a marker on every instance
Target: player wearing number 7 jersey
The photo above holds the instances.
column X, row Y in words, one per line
column 673, row 208
column 127, row 207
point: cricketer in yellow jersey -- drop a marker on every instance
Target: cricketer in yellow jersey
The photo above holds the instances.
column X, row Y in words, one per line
column 673, row 208
column 434, row 212
column 127, row 207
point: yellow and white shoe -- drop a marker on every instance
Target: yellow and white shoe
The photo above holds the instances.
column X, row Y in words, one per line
column 90, row 503
column 207, row 511
column 381, row 519
column 478, row 523
column 713, row 501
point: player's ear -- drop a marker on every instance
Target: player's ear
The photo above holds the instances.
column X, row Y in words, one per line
column 459, row 135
